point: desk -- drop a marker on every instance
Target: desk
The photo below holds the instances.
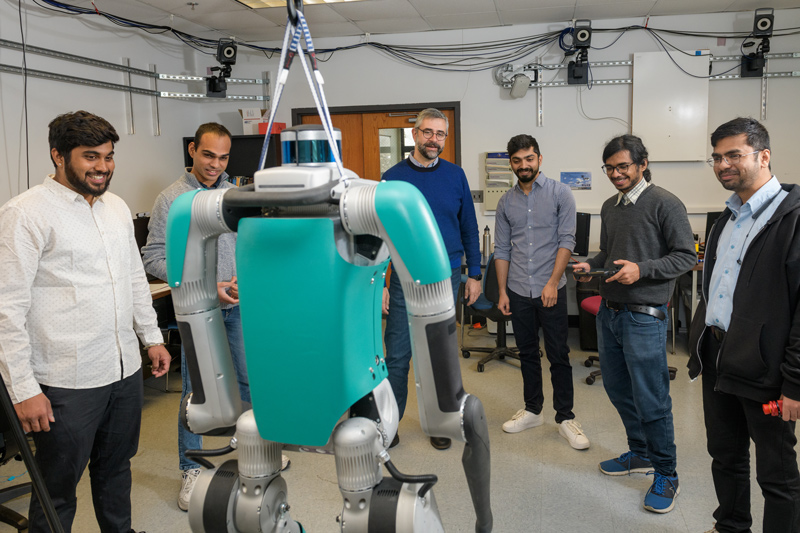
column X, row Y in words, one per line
column 158, row 289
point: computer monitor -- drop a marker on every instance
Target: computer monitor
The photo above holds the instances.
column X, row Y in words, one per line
column 711, row 217
column 582, row 234
column 245, row 154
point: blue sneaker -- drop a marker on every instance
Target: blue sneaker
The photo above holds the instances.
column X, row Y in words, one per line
column 660, row 497
column 626, row 464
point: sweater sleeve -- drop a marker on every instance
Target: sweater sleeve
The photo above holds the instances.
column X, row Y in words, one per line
column 155, row 251
column 677, row 234
column 469, row 229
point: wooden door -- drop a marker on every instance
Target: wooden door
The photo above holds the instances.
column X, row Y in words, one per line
column 361, row 137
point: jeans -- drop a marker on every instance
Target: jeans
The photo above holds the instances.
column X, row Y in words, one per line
column 527, row 315
column 99, row 426
column 233, row 327
column 633, row 359
column 731, row 421
column 397, row 338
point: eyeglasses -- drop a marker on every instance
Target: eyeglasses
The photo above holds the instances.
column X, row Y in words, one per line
column 440, row 135
column 622, row 168
column 730, row 159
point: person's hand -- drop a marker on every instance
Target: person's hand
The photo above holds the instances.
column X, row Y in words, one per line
column 160, row 359
column 790, row 410
column 35, row 413
column 577, row 268
column 550, row 295
column 503, row 304
column 228, row 291
column 385, row 306
column 628, row 272
column 472, row 289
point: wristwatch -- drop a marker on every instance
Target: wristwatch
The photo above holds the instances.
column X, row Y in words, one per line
column 477, row 277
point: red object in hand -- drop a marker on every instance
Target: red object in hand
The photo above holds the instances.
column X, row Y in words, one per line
column 773, row 408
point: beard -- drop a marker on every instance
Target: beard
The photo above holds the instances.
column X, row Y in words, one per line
column 82, row 185
column 526, row 176
column 429, row 149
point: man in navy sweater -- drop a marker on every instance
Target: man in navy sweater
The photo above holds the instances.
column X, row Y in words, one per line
column 444, row 185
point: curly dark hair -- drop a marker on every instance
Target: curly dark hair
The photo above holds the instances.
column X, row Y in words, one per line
column 81, row 128
column 522, row 142
column 634, row 146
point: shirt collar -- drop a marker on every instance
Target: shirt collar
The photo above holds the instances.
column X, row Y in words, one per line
column 420, row 165
column 196, row 182
column 64, row 191
column 762, row 195
column 632, row 195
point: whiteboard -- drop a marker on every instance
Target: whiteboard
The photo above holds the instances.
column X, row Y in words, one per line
column 670, row 107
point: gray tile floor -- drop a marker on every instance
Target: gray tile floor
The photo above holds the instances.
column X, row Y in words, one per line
column 539, row 483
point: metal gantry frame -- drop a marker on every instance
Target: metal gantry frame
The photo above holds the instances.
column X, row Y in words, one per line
column 128, row 87
column 540, row 85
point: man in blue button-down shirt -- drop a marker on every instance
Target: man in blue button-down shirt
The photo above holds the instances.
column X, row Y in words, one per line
column 745, row 332
column 534, row 239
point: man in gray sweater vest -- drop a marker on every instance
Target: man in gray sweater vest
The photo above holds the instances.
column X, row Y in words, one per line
column 646, row 236
column 210, row 151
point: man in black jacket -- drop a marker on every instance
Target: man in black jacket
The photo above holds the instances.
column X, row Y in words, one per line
column 746, row 333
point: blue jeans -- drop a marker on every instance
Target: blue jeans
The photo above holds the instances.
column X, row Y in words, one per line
column 633, row 359
column 527, row 315
column 233, row 327
column 397, row 338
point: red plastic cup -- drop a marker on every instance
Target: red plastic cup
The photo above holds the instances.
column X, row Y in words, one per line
column 773, row 408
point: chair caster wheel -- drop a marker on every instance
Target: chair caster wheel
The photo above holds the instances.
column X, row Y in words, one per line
column 480, row 367
column 672, row 376
column 589, row 380
column 587, row 363
column 465, row 354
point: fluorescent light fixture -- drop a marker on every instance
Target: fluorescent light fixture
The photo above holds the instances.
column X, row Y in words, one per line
column 519, row 87
column 258, row 4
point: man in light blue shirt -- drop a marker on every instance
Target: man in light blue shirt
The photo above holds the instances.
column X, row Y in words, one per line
column 534, row 239
column 745, row 333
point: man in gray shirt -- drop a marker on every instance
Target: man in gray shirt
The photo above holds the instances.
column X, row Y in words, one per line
column 210, row 151
column 534, row 239
column 644, row 233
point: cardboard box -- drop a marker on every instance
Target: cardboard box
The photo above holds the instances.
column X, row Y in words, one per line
column 251, row 117
column 277, row 127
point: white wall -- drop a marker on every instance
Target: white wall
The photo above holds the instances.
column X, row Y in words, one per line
column 489, row 117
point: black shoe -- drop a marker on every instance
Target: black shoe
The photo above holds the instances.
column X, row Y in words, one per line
column 440, row 443
column 395, row 440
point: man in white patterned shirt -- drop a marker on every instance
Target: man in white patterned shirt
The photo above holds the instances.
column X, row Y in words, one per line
column 75, row 298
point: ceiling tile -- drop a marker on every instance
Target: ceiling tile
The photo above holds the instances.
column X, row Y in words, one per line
column 394, row 25
column 537, row 15
column 612, row 11
column 334, row 29
column 683, row 7
column 504, row 5
column 465, row 20
column 375, row 9
column 274, row 36
column 234, row 20
column 752, row 5
column 429, row 8
column 182, row 7
column 277, row 15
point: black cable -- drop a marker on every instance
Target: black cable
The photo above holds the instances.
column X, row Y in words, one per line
column 25, row 96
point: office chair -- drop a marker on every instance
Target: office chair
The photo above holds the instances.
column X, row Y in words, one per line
column 592, row 305
column 9, row 449
column 486, row 306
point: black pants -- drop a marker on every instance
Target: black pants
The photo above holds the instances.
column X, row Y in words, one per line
column 98, row 426
column 731, row 421
column 527, row 316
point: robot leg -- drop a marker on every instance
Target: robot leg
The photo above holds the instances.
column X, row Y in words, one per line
column 370, row 501
column 248, row 496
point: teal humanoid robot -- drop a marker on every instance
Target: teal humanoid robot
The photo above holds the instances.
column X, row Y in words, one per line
column 312, row 248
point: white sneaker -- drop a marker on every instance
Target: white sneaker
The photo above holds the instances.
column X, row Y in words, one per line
column 522, row 420
column 571, row 430
column 189, row 479
column 285, row 462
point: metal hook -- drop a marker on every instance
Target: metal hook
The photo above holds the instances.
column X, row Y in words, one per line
column 293, row 6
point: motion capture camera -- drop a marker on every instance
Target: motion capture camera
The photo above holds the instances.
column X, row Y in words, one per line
column 763, row 22
column 226, row 52
column 582, row 36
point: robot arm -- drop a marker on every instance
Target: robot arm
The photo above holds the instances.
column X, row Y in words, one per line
column 193, row 226
column 397, row 213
